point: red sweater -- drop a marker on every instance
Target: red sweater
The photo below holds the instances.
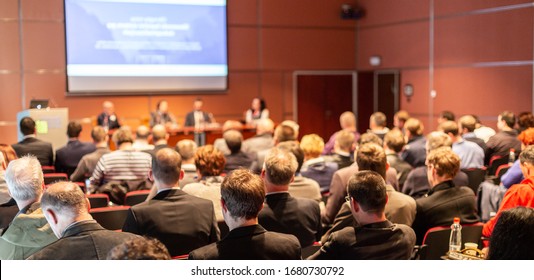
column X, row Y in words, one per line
column 518, row 195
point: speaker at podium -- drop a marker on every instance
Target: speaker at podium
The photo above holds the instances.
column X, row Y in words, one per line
column 51, row 124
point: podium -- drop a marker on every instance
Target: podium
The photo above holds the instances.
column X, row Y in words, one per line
column 51, row 125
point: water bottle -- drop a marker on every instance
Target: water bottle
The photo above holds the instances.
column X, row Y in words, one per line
column 455, row 242
column 511, row 158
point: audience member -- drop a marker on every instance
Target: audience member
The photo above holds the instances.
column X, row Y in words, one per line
column 343, row 148
column 80, row 237
column 257, row 111
column 282, row 212
column 378, row 124
column 399, row 119
column 8, row 206
column 525, row 120
column 466, row 127
column 180, row 221
column 144, row 248
column 514, row 175
column 141, row 139
column 30, row 145
column 295, row 126
column 445, row 200
column 68, row 157
column 198, row 118
column 263, row 140
column 471, row 155
column 187, row 150
column 517, row 195
column 400, row 208
column 417, row 182
column 242, row 196
column 414, row 152
column 446, row 116
column 393, row 145
column 210, row 166
column 162, row 115
column 315, row 167
column 506, row 139
column 159, row 138
column 375, row 237
column 347, row 121
column 481, row 131
column 513, row 236
column 123, row 165
column 29, row 231
column 108, row 119
column 8, row 153
column 237, row 158
column 219, row 143
column 4, row 193
column 88, row 162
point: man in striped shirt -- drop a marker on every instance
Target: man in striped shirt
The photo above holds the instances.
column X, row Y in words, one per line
column 124, row 164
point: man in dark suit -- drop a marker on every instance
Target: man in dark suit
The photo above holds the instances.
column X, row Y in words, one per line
column 197, row 117
column 393, row 145
column 80, row 237
column 68, row 157
column 242, row 196
column 30, row 145
column 180, row 221
column 414, row 152
column 108, row 119
column 282, row 212
column 159, row 138
column 237, row 158
column 375, row 238
column 445, row 200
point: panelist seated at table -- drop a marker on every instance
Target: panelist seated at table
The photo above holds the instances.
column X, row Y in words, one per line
column 108, row 119
column 197, row 117
column 162, row 115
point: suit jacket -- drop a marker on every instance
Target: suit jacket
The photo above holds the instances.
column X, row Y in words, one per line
column 415, row 151
column 341, row 160
column 501, row 143
column 417, row 184
column 190, row 118
column 258, row 143
column 300, row 217
column 402, row 167
column 85, row 240
column 376, row 241
column 156, row 149
column 39, row 148
column 180, row 221
column 87, row 165
column 113, row 121
column 240, row 159
column 442, row 203
column 473, row 138
column 68, row 157
column 251, row 243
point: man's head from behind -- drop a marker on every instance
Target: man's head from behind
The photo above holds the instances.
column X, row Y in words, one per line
column 294, row 148
column 98, row 134
column 526, row 160
column 442, row 164
column 24, row 179
column 264, row 126
column 437, row 139
column 312, row 145
column 467, row 124
column 27, row 126
column 372, row 157
column 233, row 139
column 64, row 203
column 506, row 120
column 159, row 133
column 347, row 120
column 187, row 149
column 284, row 133
column 368, row 190
column 413, row 127
column 166, row 168
column 279, row 169
column 344, row 141
column 377, row 120
column 142, row 132
column 122, row 135
column 242, row 195
column 394, row 141
column 74, row 129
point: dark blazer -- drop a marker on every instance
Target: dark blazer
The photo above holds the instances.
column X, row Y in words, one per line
column 190, row 118
column 376, row 241
column 180, row 221
column 39, row 148
column 85, row 240
column 300, row 217
column 415, row 151
column 68, row 157
column 251, row 243
column 417, row 185
column 341, row 160
column 402, row 167
column 112, row 124
column 8, row 211
column 240, row 159
column 439, row 207
column 156, row 149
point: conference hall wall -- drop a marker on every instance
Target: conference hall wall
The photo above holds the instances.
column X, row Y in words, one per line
column 477, row 55
column 268, row 41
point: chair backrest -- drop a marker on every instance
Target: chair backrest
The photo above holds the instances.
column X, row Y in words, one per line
column 502, row 169
column 475, row 176
column 436, row 240
column 51, row 178
column 48, row 169
column 495, row 162
column 111, row 218
column 98, row 200
column 135, row 197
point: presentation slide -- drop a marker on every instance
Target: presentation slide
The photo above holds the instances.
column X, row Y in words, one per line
column 145, row 46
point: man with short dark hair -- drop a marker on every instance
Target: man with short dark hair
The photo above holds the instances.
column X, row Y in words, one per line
column 506, row 139
column 242, row 196
column 68, row 157
column 31, row 145
column 180, row 221
column 375, row 237
column 466, row 128
column 187, row 149
column 283, row 212
column 393, row 145
column 237, row 158
column 87, row 164
column 445, row 200
column 343, row 147
column 80, row 237
column 377, row 124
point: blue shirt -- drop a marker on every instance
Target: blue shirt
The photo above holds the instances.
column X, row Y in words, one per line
column 471, row 155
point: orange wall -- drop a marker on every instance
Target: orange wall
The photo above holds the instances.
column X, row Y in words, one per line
column 481, row 59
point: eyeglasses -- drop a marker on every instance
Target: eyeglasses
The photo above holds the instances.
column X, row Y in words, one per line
column 347, row 198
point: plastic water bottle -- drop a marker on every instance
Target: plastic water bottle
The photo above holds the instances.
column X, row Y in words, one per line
column 511, row 158
column 455, row 242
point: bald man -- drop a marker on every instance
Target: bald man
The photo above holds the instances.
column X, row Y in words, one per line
column 108, row 118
